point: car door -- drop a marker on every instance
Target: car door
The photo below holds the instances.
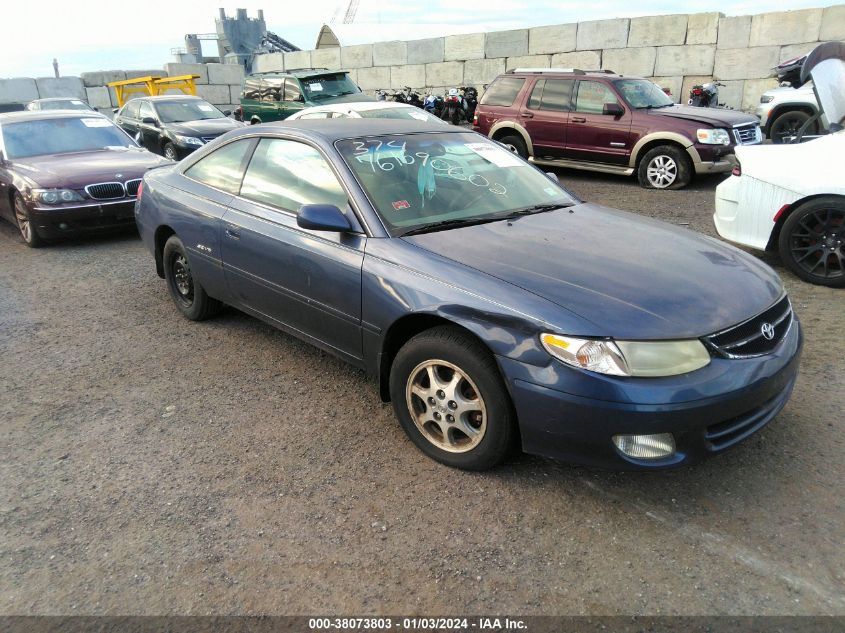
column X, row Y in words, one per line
column 149, row 134
column 308, row 281
column 546, row 116
column 127, row 118
column 272, row 91
column 292, row 98
column 595, row 137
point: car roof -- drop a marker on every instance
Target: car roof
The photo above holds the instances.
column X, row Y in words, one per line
column 297, row 72
column 567, row 72
column 170, row 98
column 32, row 115
column 330, row 130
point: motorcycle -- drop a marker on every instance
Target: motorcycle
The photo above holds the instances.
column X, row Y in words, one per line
column 789, row 72
column 453, row 107
column 705, row 95
column 433, row 104
column 470, row 97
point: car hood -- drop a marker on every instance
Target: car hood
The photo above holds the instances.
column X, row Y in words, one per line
column 204, row 127
column 632, row 277
column 787, row 91
column 360, row 96
column 78, row 169
column 717, row 117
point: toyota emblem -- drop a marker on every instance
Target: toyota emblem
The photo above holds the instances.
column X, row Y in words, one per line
column 768, row 331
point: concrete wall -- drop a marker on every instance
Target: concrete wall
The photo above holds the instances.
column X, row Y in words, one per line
column 676, row 51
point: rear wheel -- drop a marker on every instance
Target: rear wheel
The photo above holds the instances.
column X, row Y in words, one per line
column 187, row 293
column 515, row 144
column 664, row 167
column 25, row 225
column 812, row 241
column 788, row 124
column 170, row 152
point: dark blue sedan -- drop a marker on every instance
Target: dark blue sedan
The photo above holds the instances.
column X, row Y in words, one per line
column 494, row 308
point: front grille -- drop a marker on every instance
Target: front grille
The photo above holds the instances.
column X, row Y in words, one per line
column 724, row 434
column 106, row 191
column 747, row 134
column 132, row 187
column 748, row 338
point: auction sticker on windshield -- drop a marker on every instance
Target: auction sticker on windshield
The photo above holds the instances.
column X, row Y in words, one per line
column 96, row 123
column 498, row 156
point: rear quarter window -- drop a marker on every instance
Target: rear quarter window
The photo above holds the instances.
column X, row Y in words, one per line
column 503, row 91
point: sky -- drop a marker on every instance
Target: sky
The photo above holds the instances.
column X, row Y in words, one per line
column 90, row 35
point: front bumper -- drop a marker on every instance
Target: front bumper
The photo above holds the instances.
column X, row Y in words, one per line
column 69, row 220
column 712, row 159
column 579, row 428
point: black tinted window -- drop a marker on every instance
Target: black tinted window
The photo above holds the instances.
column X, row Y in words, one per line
column 292, row 90
column 503, row 91
column 222, row 169
column 557, row 95
column 592, row 95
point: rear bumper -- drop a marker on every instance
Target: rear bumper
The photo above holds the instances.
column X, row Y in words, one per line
column 580, row 429
column 58, row 222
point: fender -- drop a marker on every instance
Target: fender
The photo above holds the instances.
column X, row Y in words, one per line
column 507, row 124
column 680, row 139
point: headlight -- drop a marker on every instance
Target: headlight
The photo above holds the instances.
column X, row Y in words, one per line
column 711, row 136
column 767, row 98
column 188, row 140
column 55, row 196
column 628, row 358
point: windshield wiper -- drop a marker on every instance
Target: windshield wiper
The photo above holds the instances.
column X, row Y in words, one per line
column 651, row 106
column 449, row 224
column 537, row 208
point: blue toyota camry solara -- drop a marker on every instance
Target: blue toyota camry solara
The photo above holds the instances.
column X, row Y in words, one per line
column 494, row 308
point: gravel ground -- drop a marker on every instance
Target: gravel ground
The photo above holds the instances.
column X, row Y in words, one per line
column 151, row 465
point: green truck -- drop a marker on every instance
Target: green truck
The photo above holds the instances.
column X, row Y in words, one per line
column 275, row 96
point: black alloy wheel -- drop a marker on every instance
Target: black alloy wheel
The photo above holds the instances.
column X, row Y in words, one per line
column 812, row 241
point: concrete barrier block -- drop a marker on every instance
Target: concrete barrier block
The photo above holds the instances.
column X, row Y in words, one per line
column 506, row 43
column 585, row 60
column 174, row 70
column 478, row 72
column 795, row 50
column 752, row 90
column 359, row 56
column 153, row 72
column 731, row 93
column 235, row 94
column 833, row 23
column 734, row 32
column 685, row 60
column 630, row 61
column 528, row 61
column 232, row 74
column 428, row 51
column 374, row 78
column 390, row 53
column 558, row 38
column 673, row 84
column 297, row 59
column 99, row 97
column 102, row 77
column 703, row 28
column 785, row 27
column 408, row 75
column 215, row 94
column 658, row 30
column 61, row 87
column 461, row 47
column 598, row 34
column 18, row 90
column 746, row 63
column 444, row 74
column 326, row 58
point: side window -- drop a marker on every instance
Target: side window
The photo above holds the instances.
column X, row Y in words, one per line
column 502, row 91
column 252, row 88
column 557, row 95
column 287, row 174
column 130, row 110
column 592, row 95
column 271, row 89
column 316, row 115
column 292, row 90
column 536, row 94
column 222, row 169
column 147, row 110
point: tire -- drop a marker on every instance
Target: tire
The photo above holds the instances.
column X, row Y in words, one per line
column 664, row 167
column 189, row 296
column 482, row 431
column 169, row 152
column 29, row 233
column 812, row 241
column 515, row 144
column 788, row 124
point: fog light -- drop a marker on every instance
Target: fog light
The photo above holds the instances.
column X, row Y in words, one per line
column 646, row 446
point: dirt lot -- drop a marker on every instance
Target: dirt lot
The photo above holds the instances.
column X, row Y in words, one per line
column 151, row 465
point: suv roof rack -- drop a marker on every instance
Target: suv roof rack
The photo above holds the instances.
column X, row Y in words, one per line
column 574, row 71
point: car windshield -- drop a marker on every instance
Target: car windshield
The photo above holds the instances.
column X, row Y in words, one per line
column 181, row 111
column 69, row 104
column 62, row 136
column 642, row 94
column 328, row 86
column 399, row 113
column 425, row 182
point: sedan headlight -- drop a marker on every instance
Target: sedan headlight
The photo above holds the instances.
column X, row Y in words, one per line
column 188, row 140
column 56, row 196
column 767, row 98
column 628, row 358
column 713, row 136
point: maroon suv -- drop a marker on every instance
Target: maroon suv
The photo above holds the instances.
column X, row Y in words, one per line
column 602, row 121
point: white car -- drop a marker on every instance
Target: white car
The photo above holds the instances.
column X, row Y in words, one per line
column 366, row 110
column 790, row 199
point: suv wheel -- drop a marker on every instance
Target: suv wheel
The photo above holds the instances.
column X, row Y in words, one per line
column 515, row 144
column 664, row 167
column 788, row 124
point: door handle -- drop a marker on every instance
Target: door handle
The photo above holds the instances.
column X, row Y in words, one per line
column 578, row 119
column 233, row 232
column 527, row 115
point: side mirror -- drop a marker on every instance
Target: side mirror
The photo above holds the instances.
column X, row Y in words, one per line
column 115, row 110
column 322, row 217
column 227, row 113
column 613, row 109
column 148, row 120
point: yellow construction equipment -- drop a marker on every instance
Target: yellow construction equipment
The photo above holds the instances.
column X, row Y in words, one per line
column 152, row 86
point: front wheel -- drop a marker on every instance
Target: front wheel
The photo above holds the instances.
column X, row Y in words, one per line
column 25, row 225
column 451, row 401
column 187, row 293
column 170, row 152
column 812, row 241
column 664, row 167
